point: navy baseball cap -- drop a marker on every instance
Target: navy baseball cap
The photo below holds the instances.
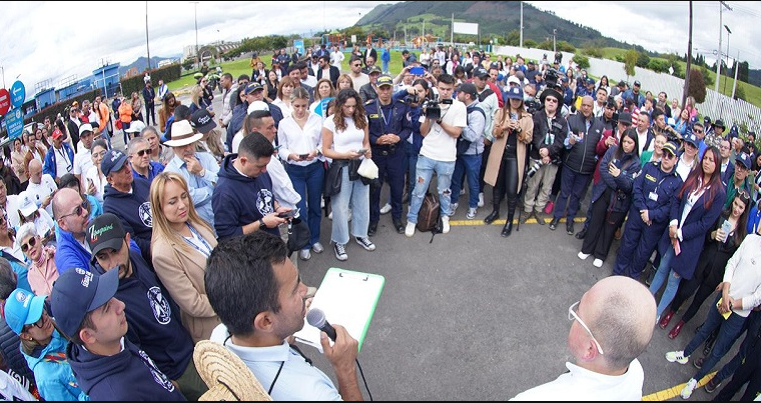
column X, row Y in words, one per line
column 77, row 292
column 671, row 147
column 384, row 80
column 514, row 93
column 481, row 73
column 113, row 161
column 590, row 81
column 253, row 87
column 23, row 308
column 743, row 159
column 691, row 138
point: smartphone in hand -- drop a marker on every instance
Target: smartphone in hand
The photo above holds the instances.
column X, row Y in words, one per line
column 289, row 214
column 362, row 151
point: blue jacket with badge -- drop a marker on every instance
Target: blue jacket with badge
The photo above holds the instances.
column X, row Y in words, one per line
column 655, row 191
column 394, row 118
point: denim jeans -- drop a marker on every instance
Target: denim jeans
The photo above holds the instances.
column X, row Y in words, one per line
column 425, row 169
column 660, row 277
column 573, row 185
column 356, row 195
column 411, row 169
column 729, row 331
column 308, row 182
column 471, row 166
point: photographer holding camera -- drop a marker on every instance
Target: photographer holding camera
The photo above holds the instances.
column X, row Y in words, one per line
column 550, row 130
column 441, row 124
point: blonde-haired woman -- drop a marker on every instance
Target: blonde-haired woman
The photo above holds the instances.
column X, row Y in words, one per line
column 181, row 243
column 344, row 81
column 198, row 100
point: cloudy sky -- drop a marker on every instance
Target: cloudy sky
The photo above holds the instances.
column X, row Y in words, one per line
column 58, row 40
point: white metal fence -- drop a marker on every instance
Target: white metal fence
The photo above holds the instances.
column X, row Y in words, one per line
column 717, row 106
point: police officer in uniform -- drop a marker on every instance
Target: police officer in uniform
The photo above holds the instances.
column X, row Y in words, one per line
column 390, row 126
column 654, row 192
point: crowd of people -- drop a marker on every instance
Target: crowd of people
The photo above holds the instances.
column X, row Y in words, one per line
column 117, row 261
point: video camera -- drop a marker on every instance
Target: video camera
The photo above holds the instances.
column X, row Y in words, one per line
column 432, row 107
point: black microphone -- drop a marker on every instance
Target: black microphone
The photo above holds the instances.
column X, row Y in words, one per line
column 316, row 318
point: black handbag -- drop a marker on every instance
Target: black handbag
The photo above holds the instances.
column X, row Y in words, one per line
column 333, row 179
column 298, row 235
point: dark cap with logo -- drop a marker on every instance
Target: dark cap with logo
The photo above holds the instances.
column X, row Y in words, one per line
column 670, row 147
column 202, row 120
column 105, row 231
column 77, row 292
column 744, row 159
column 481, row 73
column 251, row 87
column 384, row 80
column 113, row 161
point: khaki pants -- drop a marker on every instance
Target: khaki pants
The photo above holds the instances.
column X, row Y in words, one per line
column 545, row 177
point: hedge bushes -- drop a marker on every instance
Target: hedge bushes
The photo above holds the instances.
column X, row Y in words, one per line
column 168, row 74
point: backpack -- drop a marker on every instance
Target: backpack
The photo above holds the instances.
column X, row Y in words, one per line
column 462, row 144
column 429, row 216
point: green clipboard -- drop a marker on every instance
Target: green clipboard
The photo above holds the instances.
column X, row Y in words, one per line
column 348, row 298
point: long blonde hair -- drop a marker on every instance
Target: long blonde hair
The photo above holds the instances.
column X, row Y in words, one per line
column 161, row 227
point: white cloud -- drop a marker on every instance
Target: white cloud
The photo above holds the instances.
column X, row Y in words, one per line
column 55, row 40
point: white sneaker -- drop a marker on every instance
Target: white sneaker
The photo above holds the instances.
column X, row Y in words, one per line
column 583, row 256
column 462, row 191
column 597, row 263
column 410, row 230
column 453, row 208
column 304, row 254
column 317, row 248
column 677, row 356
column 471, row 213
column 340, row 251
column 689, row 388
column 385, row 209
column 445, row 225
column 481, row 199
column 366, row 243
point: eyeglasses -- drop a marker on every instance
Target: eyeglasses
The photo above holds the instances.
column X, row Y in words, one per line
column 668, row 156
column 31, row 244
column 77, row 211
column 40, row 322
column 143, row 152
column 573, row 315
column 743, row 194
column 697, row 131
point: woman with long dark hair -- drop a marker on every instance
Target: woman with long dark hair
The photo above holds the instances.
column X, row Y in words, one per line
column 611, row 202
column 719, row 247
column 513, row 132
column 693, row 213
column 345, row 140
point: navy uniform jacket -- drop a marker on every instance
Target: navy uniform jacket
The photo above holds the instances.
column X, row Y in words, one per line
column 653, row 181
column 392, row 118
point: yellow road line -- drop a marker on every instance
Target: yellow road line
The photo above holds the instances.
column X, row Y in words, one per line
column 675, row 391
column 480, row 222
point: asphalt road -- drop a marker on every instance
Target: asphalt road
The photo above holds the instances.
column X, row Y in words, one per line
column 474, row 316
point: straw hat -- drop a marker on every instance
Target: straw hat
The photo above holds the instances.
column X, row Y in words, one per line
column 227, row 377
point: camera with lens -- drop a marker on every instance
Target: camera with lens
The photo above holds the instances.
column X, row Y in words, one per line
column 533, row 168
column 551, row 77
column 412, row 99
column 533, row 106
column 432, row 107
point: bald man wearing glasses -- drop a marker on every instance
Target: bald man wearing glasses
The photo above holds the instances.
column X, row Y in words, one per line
column 611, row 326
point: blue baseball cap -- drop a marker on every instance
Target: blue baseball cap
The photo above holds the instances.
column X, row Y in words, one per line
column 514, row 93
column 77, row 292
column 691, row 138
column 590, row 81
column 113, row 161
column 23, row 308
column 743, row 159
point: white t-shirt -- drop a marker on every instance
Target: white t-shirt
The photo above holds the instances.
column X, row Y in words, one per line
column 439, row 145
column 358, row 82
column 98, row 181
column 582, row 384
column 236, row 141
column 351, row 139
column 336, row 59
column 40, row 191
column 311, row 81
column 62, row 163
column 82, row 161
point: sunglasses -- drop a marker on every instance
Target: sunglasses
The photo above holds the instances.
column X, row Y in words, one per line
column 668, row 156
column 77, row 211
column 39, row 324
column 143, row 152
column 31, row 244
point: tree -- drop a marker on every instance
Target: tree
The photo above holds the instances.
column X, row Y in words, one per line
column 582, row 61
column 188, row 63
column 529, row 43
column 513, row 38
column 642, row 60
column 742, row 75
column 697, row 88
column 630, row 61
column 740, row 92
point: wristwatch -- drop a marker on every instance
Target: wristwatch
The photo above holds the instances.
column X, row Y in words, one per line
column 262, row 225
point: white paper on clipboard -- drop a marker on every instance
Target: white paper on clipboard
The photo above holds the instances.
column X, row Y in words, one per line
column 348, row 298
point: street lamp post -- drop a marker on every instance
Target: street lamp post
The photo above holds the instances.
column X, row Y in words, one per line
column 554, row 41
column 729, row 32
column 147, row 47
column 195, row 19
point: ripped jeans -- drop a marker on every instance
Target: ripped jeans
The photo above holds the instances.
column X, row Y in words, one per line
column 425, row 169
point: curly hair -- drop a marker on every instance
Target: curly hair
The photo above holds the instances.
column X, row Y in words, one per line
column 359, row 112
